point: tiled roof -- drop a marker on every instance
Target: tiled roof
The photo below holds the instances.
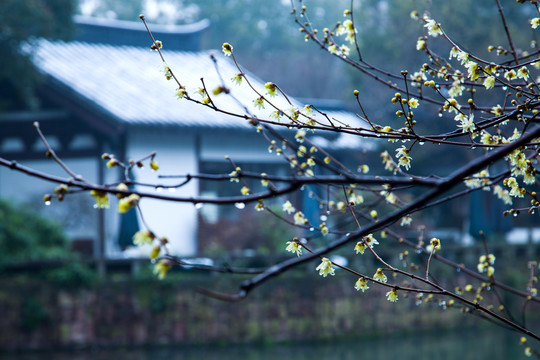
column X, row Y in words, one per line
column 128, row 83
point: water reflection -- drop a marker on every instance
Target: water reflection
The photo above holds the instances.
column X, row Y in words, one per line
column 480, row 344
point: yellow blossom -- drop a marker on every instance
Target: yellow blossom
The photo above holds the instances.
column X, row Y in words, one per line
column 360, row 247
column 259, row 103
column 434, row 29
column 288, row 207
column 102, row 199
column 227, row 49
column 497, row 110
column 466, row 123
column 300, row 135
column 472, row 69
column 510, row 74
column 276, row 114
column 155, row 252
column 325, row 267
column 392, row 295
column 413, row 103
column 245, row 190
column 523, row 73
column 162, row 267
column 332, row 49
column 434, row 245
column 403, row 157
column 181, row 93
column 361, row 284
column 324, row 229
column 299, row 218
column 367, row 241
column 237, row 79
column 128, row 202
column 112, row 163
column 420, row 44
column 167, row 72
column 154, row 165
column 406, row 220
column 271, row 88
column 143, row 237
column 489, row 82
column 534, row 22
column 379, row 276
column 294, row 247
column 294, row 113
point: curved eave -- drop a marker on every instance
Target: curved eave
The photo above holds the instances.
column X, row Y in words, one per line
column 137, row 26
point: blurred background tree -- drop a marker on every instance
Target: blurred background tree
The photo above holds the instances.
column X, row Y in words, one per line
column 27, row 238
column 22, row 22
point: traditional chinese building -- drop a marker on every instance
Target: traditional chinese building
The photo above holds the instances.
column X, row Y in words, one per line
column 105, row 93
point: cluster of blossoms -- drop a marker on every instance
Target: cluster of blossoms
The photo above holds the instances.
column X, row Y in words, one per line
column 404, row 159
column 367, row 242
column 347, row 28
column 102, row 199
column 502, row 194
column 485, row 264
column 479, row 180
column 515, row 189
column 434, row 29
column 147, row 238
column 388, row 162
column 521, row 166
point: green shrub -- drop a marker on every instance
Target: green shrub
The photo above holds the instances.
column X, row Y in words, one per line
column 26, row 237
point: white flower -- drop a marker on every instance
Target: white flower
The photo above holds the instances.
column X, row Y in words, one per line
column 325, row 268
column 434, row 29
column 288, row 207
column 489, row 82
column 295, row 247
column 299, row 218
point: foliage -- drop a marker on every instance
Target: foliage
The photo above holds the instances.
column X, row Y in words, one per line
column 22, row 22
column 25, row 236
column 28, row 238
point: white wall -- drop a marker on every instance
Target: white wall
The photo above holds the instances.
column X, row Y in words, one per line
column 176, row 154
column 240, row 146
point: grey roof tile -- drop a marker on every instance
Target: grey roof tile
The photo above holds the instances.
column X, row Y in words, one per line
column 127, row 82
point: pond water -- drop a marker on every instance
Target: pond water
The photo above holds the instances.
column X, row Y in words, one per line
column 463, row 345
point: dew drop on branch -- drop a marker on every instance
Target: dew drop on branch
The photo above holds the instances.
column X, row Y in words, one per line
column 240, row 205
